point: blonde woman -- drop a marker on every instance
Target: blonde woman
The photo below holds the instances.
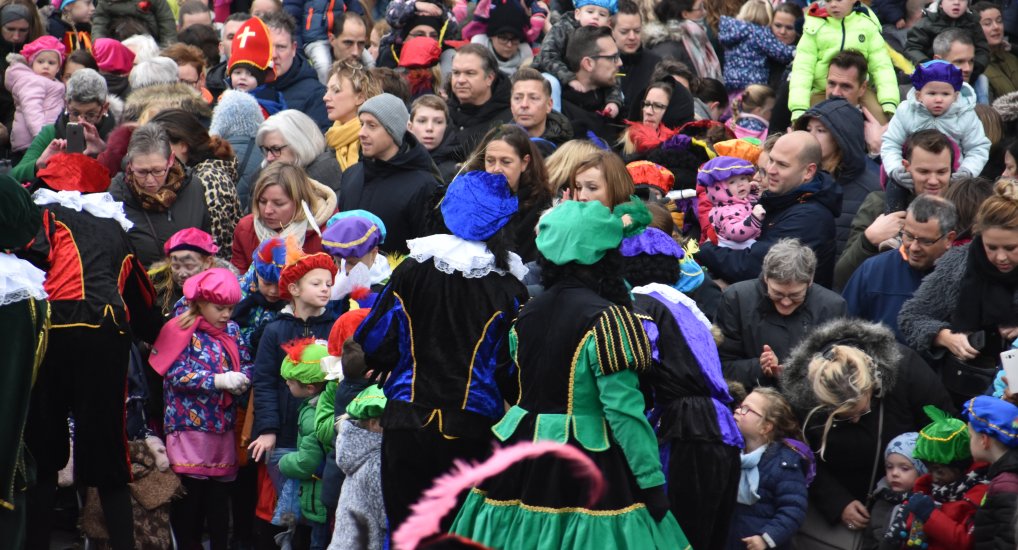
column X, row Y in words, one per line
column 561, row 163
column 349, row 86
column 854, row 388
column 282, row 199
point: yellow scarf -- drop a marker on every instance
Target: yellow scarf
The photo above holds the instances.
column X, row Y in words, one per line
column 343, row 138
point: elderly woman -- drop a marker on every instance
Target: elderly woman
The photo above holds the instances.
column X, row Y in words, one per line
column 964, row 312
column 159, row 196
column 763, row 319
column 212, row 165
column 87, row 105
column 283, row 195
column 236, row 119
column 854, row 388
column 293, row 137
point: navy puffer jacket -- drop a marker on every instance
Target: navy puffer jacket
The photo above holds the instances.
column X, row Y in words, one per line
column 782, row 506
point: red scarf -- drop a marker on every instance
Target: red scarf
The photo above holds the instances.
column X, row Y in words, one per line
column 174, row 339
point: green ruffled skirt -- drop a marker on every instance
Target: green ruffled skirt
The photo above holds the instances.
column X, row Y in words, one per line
column 513, row 525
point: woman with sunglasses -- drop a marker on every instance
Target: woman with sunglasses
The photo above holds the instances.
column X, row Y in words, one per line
column 159, row 195
column 854, row 389
column 763, row 319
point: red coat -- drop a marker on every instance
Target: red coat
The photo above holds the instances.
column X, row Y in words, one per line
column 950, row 524
column 245, row 242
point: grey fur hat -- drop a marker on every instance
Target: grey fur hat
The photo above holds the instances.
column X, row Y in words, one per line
column 236, row 114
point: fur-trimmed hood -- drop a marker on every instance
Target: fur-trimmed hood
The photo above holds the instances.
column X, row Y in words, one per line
column 1007, row 106
column 874, row 339
column 144, row 103
column 658, row 32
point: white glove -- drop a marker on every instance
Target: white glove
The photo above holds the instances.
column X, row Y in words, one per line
column 233, row 382
column 155, row 445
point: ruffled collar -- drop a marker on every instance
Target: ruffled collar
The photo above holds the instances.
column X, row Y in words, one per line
column 674, row 296
column 20, row 280
column 100, row 205
column 451, row 253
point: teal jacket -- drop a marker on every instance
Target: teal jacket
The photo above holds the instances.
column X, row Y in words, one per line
column 822, row 38
column 306, row 463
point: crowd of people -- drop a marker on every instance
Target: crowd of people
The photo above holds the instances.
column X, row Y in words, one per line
column 509, row 274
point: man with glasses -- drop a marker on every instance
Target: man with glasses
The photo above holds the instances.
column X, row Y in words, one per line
column 595, row 59
column 883, row 283
column 928, row 157
column 637, row 62
column 87, row 105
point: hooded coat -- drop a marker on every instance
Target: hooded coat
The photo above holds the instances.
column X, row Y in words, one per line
column 471, row 122
column 302, row 91
column 447, row 156
column 959, row 123
column 398, row 191
column 856, row 174
column 360, row 516
column 822, row 38
column 919, row 46
column 806, row 213
column 994, row 520
column 846, row 470
column 38, row 100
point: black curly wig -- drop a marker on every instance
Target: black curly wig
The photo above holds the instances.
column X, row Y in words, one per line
column 644, row 269
column 603, row 277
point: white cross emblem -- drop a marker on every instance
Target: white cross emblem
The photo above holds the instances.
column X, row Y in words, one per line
column 245, row 35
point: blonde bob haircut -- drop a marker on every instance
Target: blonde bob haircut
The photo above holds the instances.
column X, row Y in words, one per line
column 757, row 12
column 617, row 179
column 295, row 185
column 841, row 377
column 560, row 164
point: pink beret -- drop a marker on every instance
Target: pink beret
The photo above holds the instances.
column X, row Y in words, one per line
column 112, row 56
column 216, row 285
column 44, row 44
column 191, row 238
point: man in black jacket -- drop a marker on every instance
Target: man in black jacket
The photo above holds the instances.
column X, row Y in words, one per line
column 593, row 55
column 532, row 110
column 637, row 62
column 480, row 95
column 396, row 178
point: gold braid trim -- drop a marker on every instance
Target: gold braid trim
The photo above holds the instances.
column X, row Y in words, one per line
column 621, row 341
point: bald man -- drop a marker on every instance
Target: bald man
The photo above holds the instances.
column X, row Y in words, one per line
column 801, row 201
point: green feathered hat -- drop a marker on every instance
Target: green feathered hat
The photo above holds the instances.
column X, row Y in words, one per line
column 303, row 360
column 368, row 404
column 944, row 441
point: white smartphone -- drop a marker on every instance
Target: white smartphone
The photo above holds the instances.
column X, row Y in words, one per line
column 1009, row 360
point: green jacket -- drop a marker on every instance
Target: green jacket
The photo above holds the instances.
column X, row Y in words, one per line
column 306, row 462
column 325, row 416
column 157, row 18
column 25, row 170
column 822, row 38
column 1002, row 72
column 858, row 249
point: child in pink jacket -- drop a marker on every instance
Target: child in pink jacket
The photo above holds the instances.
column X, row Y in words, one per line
column 735, row 215
column 33, row 80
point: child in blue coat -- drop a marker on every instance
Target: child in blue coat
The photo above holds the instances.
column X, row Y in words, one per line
column 776, row 470
column 750, row 46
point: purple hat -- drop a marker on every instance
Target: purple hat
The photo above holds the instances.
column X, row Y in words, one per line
column 651, row 241
column 720, row 169
column 937, row 70
column 351, row 237
column 216, row 285
column 193, row 239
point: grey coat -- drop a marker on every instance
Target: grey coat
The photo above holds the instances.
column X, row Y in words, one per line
column 930, row 308
column 360, row 516
column 748, row 320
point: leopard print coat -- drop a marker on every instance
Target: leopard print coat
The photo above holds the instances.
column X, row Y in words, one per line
column 219, row 179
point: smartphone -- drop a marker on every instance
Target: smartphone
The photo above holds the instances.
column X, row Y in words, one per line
column 75, row 138
column 1009, row 360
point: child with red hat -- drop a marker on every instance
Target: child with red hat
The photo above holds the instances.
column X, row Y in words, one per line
column 204, row 362
column 38, row 93
column 250, row 66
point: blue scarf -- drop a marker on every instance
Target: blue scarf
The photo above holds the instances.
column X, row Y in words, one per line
column 749, row 482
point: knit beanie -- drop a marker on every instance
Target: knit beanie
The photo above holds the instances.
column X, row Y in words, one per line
column 944, row 441
column 391, row 113
column 14, row 12
column 904, row 445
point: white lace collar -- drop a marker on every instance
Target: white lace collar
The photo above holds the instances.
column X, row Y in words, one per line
column 451, row 253
column 19, row 280
column 100, row 205
column 674, row 296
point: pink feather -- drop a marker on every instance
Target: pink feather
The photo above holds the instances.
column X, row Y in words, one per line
column 440, row 499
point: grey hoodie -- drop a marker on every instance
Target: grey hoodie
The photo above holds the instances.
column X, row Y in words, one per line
column 360, row 516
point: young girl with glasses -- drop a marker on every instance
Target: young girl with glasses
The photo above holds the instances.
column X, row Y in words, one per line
column 776, row 469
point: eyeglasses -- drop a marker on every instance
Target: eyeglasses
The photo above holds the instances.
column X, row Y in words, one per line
column 613, row 57
column 275, row 150
column 509, row 38
column 908, row 238
column 89, row 116
column 191, row 83
column 654, row 106
column 792, row 296
column 142, row 175
column 744, row 410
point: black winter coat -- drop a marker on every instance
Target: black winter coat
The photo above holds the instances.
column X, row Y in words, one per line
column 919, row 47
column 471, row 122
column 398, row 191
column 748, row 320
column 845, row 472
column 994, row 524
column 302, row 91
column 276, row 409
